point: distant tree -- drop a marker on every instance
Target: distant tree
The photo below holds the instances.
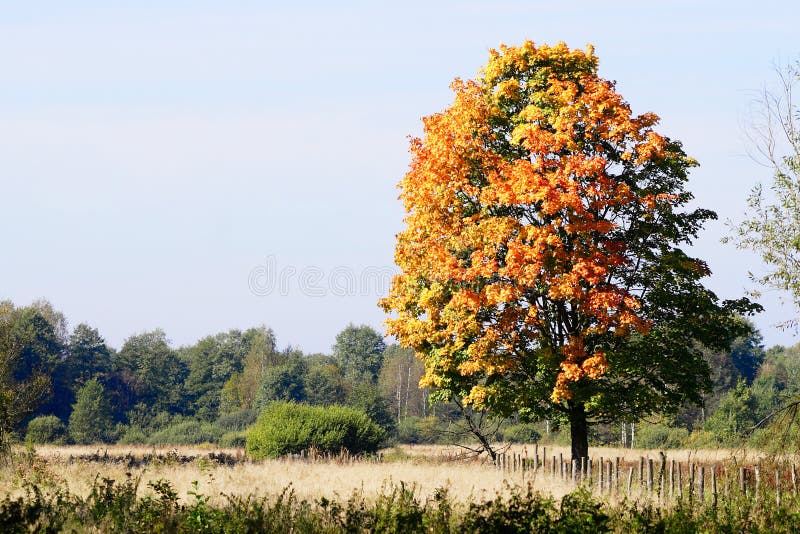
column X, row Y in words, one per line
column 91, row 421
column 734, row 415
column 284, row 382
column 241, row 388
column 46, row 331
column 359, row 352
column 324, row 383
column 771, row 228
column 747, row 352
column 211, row 362
column 88, row 355
column 152, row 372
column 399, row 383
column 366, row 397
column 56, row 319
column 22, row 387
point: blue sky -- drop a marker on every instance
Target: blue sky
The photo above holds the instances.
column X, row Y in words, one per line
column 199, row 166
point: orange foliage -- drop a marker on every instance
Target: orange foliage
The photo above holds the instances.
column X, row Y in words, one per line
column 510, row 241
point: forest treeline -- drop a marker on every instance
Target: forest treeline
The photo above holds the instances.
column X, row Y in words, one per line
column 67, row 385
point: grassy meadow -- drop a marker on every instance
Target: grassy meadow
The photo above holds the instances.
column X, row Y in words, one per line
column 403, row 489
column 425, row 468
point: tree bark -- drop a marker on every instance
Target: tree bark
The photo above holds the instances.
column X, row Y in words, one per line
column 579, row 431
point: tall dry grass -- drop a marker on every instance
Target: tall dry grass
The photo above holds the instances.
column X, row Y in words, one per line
column 425, row 468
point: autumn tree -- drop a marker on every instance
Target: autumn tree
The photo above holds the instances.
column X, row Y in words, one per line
column 542, row 264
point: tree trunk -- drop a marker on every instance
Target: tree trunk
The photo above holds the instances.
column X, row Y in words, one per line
column 579, row 431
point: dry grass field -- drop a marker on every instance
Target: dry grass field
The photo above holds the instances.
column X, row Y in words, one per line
column 425, row 468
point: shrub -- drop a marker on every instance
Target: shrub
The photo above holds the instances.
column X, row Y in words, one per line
column 418, row 430
column 132, row 435
column 233, row 440
column 183, row 433
column 656, row 436
column 46, row 429
column 236, row 421
column 521, row 433
column 286, row 428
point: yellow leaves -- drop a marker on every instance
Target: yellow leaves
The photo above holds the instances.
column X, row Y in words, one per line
column 595, row 366
column 477, row 396
column 572, row 371
column 500, row 293
column 513, row 208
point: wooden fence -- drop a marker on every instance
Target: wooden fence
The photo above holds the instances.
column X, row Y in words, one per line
column 663, row 479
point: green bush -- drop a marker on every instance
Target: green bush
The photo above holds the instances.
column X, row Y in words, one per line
column 184, row 433
column 236, row 421
column 233, row 440
column 521, row 433
column 132, row 435
column 702, row 439
column 288, row 428
column 418, row 430
column 657, row 436
column 46, row 429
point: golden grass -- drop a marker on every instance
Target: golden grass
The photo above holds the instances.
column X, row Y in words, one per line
column 425, row 468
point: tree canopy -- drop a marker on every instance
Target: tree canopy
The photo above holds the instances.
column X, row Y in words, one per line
column 542, row 263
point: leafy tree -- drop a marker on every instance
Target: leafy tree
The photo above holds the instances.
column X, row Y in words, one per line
column 324, row 383
column 542, row 268
column 211, row 362
column 367, row 397
column 747, row 352
column 359, row 352
column 88, row 355
column 241, row 388
column 90, row 421
column 734, row 415
column 283, row 382
column 22, row 385
column 152, row 372
column 399, row 383
column 772, row 225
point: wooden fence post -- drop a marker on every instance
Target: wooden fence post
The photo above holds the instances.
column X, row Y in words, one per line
column 574, row 470
column 600, row 467
column 714, row 486
column 701, row 484
column 758, row 481
column 672, row 478
column 641, row 475
column 630, row 479
column 743, row 480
